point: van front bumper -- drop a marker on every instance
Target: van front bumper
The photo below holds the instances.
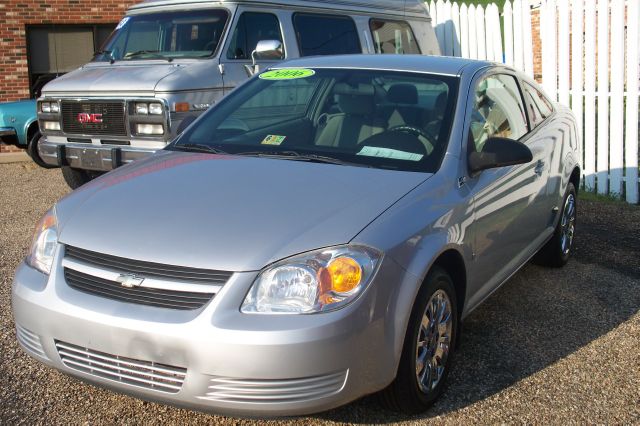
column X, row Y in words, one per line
column 214, row 358
column 89, row 156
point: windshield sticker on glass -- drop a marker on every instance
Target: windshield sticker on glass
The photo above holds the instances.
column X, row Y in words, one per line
column 123, row 22
column 374, row 151
column 287, row 74
column 273, row 140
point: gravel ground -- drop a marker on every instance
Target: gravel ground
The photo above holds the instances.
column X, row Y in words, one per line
column 552, row 345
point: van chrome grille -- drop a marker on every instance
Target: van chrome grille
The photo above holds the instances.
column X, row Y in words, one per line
column 274, row 391
column 148, row 269
column 112, row 116
column 144, row 374
column 171, row 299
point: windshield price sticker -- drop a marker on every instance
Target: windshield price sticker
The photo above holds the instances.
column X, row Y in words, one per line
column 287, row 74
column 273, row 140
column 395, row 154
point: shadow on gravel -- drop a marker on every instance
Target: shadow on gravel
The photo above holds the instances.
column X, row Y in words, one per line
column 539, row 317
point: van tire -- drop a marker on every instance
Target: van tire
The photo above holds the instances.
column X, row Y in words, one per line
column 75, row 178
column 404, row 394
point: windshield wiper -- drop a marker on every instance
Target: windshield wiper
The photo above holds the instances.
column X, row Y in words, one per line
column 295, row 155
column 147, row 52
column 198, row 147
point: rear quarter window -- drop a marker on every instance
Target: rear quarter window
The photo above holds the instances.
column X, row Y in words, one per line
column 326, row 34
column 393, row 37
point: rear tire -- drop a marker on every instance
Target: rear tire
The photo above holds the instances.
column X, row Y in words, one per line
column 75, row 178
column 433, row 325
column 558, row 249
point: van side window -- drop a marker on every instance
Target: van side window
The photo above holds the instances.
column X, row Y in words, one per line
column 539, row 106
column 326, row 34
column 250, row 29
column 498, row 111
column 393, row 37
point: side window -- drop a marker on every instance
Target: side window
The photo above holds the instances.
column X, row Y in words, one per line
column 539, row 106
column 250, row 29
column 498, row 110
column 393, row 37
column 326, row 34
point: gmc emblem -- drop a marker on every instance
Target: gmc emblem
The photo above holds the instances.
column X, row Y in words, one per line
column 84, row 117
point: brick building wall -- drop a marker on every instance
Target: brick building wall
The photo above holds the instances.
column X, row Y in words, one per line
column 15, row 15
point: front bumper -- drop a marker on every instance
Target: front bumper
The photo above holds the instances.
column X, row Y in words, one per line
column 8, row 135
column 89, row 156
column 226, row 362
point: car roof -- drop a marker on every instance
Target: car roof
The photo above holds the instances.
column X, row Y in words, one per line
column 444, row 65
column 403, row 8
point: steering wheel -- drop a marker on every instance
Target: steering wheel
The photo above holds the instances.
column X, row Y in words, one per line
column 416, row 131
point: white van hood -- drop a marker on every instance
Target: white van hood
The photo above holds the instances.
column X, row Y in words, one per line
column 104, row 79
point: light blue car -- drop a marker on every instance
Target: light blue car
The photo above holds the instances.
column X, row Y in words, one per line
column 19, row 127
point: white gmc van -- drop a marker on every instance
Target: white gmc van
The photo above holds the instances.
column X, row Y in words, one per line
column 169, row 60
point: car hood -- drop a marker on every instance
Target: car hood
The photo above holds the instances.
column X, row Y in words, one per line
column 226, row 212
column 106, row 79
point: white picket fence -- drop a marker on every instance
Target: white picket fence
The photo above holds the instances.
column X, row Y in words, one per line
column 589, row 61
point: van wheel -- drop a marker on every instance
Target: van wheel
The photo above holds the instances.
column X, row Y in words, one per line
column 32, row 150
column 558, row 249
column 75, row 178
column 428, row 347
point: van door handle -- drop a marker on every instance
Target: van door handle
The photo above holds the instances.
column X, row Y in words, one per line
column 539, row 168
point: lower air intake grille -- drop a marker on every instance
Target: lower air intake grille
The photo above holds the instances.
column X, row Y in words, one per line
column 144, row 374
column 276, row 391
column 140, row 295
column 30, row 341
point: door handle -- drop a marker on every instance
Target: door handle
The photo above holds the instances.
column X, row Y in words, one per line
column 539, row 168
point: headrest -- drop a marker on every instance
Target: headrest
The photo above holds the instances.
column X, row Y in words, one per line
column 403, row 93
column 358, row 99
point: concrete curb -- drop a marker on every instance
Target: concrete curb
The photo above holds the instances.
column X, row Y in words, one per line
column 14, row 157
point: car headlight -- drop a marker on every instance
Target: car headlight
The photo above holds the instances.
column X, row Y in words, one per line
column 45, row 107
column 45, row 239
column 317, row 281
column 55, row 107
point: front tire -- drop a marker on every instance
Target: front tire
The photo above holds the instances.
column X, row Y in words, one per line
column 428, row 347
column 558, row 249
column 32, row 150
column 75, row 178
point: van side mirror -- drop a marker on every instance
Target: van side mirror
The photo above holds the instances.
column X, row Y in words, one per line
column 499, row 152
column 265, row 49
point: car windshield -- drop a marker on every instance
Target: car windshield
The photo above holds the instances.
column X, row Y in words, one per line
column 374, row 118
column 167, row 35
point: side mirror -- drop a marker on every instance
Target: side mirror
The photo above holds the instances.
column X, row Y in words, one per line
column 265, row 49
column 499, row 152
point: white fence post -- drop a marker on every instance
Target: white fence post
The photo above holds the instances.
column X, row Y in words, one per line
column 631, row 140
column 590, row 95
column 527, row 42
column 518, row 56
column 455, row 17
column 602, row 164
column 464, row 31
column 616, row 147
column 576, row 65
column 473, row 35
column 508, row 33
column 548, row 27
column 480, row 33
column 563, row 52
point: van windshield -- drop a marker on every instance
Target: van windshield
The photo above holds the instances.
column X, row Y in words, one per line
column 371, row 118
column 166, row 35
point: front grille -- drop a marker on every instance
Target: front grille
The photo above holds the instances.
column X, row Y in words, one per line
column 144, row 374
column 274, row 391
column 148, row 269
column 111, row 114
column 171, row 299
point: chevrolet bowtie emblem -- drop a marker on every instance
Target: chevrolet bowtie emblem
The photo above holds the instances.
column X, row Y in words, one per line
column 129, row 280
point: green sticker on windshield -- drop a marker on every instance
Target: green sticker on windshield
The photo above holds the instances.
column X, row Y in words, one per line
column 287, row 74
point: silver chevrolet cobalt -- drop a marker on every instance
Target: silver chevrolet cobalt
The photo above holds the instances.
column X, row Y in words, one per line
column 316, row 236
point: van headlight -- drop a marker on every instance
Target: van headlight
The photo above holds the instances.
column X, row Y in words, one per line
column 317, row 281
column 45, row 240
